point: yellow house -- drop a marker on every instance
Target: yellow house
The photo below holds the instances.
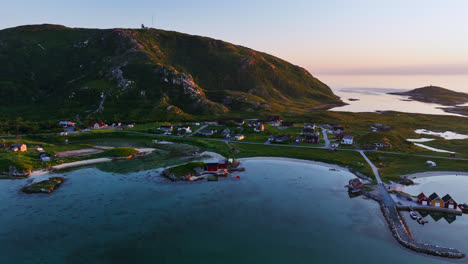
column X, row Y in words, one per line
column 18, row 147
column 435, row 200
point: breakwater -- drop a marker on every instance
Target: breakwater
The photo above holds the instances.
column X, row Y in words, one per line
column 401, row 233
column 396, row 225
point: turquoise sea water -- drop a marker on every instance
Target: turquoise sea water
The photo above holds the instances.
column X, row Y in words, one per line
column 277, row 212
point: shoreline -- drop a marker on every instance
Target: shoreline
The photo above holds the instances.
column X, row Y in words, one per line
column 319, row 163
column 70, row 164
column 433, row 173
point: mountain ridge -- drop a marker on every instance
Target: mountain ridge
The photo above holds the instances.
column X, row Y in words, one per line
column 145, row 74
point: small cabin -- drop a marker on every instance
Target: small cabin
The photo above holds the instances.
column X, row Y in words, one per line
column 259, row 128
column 347, row 140
column 212, row 166
column 435, row 200
column 423, row 199
column 18, row 147
column 222, row 164
column 449, row 202
column 355, row 183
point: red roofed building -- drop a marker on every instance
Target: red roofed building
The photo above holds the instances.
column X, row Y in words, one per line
column 422, row 199
column 449, row 202
column 98, row 125
column 355, row 184
column 222, row 164
column 212, row 167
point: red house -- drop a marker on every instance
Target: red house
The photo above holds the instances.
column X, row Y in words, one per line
column 355, row 183
column 449, row 202
column 212, row 166
column 422, row 199
column 98, row 125
column 222, row 164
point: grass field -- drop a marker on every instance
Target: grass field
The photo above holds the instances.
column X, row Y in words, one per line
column 344, row 158
column 392, row 166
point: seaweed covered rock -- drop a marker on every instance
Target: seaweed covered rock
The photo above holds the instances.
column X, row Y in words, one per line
column 47, row 186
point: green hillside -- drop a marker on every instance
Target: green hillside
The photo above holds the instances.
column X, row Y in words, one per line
column 51, row 72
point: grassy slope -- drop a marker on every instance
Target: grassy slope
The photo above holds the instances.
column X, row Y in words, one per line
column 53, row 72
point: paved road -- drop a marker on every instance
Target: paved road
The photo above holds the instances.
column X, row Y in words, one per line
column 386, row 198
column 198, row 130
column 325, row 137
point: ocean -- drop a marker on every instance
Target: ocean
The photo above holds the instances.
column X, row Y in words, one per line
column 276, row 212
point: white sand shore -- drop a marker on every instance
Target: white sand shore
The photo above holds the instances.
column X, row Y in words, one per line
column 328, row 165
column 434, row 173
column 70, row 164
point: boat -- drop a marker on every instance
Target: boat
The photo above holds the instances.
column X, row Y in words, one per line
column 464, row 208
column 414, row 215
column 420, row 220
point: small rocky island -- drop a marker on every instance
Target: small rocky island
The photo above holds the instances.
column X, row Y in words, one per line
column 195, row 171
column 47, row 186
column 439, row 95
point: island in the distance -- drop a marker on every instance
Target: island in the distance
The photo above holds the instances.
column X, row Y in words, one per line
column 439, row 95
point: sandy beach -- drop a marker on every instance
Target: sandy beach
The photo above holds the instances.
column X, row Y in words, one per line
column 434, row 173
column 328, row 165
column 70, row 164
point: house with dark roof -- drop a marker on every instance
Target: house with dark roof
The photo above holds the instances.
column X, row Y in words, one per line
column 423, row 199
column 347, row 139
column 166, row 128
column 208, row 132
column 225, row 132
column 435, row 200
column 449, row 202
column 239, row 122
column 259, row 128
column 308, row 131
column 311, row 139
column 287, row 124
column 67, row 123
column 282, row 138
column 212, row 166
column 275, row 118
column 355, row 183
column 222, row 164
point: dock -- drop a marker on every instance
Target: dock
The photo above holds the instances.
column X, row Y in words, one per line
column 397, row 225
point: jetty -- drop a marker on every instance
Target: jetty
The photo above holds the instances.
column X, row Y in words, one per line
column 397, row 225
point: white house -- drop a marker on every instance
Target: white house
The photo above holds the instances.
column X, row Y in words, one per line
column 347, row 140
column 186, row 128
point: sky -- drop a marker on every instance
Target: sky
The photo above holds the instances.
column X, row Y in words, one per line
column 326, row 37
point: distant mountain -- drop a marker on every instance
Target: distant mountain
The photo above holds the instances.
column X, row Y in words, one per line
column 437, row 95
column 51, row 71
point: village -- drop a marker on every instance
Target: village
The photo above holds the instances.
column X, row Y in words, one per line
column 330, row 137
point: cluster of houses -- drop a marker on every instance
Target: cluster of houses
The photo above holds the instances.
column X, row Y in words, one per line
column 43, row 156
column 434, row 200
column 100, row 124
column 17, row 147
column 340, row 134
column 377, row 127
